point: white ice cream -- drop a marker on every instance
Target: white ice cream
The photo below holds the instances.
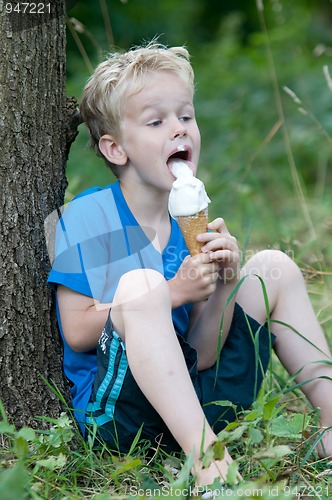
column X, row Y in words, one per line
column 188, row 195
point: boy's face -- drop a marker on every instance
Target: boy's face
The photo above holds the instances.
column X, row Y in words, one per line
column 158, row 127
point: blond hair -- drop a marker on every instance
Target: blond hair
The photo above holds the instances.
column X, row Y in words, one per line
column 121, row 75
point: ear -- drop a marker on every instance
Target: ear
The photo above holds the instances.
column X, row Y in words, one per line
column 112, row 150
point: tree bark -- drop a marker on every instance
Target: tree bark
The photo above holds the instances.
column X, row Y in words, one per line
column 34, row 126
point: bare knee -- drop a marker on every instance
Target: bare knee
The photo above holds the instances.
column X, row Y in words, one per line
column 269, row 274
column 272, row 265
column 142, row 291
column 143, row 286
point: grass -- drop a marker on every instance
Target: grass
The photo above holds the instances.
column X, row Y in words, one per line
column 273, row 443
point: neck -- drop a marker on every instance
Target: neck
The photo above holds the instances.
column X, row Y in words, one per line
column 150, row 209
column 148, row 206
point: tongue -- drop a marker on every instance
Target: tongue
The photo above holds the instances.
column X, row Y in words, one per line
column 181, row 167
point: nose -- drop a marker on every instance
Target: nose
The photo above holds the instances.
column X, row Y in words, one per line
column 179, row 129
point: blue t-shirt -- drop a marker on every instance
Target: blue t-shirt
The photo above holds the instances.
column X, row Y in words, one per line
column 98, row 240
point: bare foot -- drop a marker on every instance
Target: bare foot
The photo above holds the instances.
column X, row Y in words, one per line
column 217, row 469
column 324, row 447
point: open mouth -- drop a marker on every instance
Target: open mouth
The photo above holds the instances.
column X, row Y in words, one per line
column 183, row 154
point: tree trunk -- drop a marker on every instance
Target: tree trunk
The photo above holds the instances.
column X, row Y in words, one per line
column 33, row 138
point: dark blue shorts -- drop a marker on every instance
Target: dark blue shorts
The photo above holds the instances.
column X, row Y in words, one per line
column 120, row 409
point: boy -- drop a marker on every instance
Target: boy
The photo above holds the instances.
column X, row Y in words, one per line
column 122, row 268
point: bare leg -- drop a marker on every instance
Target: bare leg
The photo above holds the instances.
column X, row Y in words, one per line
column 289, row 303
column 141, row 315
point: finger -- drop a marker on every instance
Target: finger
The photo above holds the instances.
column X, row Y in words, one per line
column 214, row 277
column 218, row 225
column 210, row 236
column 210, row 268
column 201, row 258
column 225, row 256
column 213, row 267
column 220, row 243
column 210, row 278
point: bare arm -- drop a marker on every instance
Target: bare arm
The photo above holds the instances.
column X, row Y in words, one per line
column 204, row 332
column 82, row 319
column 206, row 322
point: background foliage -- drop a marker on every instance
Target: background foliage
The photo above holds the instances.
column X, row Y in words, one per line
column 263, row 103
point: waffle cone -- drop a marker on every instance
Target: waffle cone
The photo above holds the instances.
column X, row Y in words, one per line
column 191, row 226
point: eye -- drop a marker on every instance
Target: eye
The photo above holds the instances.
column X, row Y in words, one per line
column 185, row 118
column 154, row 123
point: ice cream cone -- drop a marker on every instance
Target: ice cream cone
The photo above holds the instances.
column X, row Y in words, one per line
column 191, row 226
column 188, row 203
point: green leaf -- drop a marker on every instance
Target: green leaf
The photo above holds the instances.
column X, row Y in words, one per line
column 126, row 464
column 14, row 482
column 222, row 403
column 150, row 484
column 232, row 434
column 6, row 428
column 21, row 446
column 136, row 440
column 255, row 435
column 232, row 425
column 53, row 462
column 273, row 452
column 218, row 450
column 289, row 427
column 27, row 433
column 208, row 457
column 233, row 473
column 184, row 477
column 253, row 415
column 64, row 420
column 269, row 408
